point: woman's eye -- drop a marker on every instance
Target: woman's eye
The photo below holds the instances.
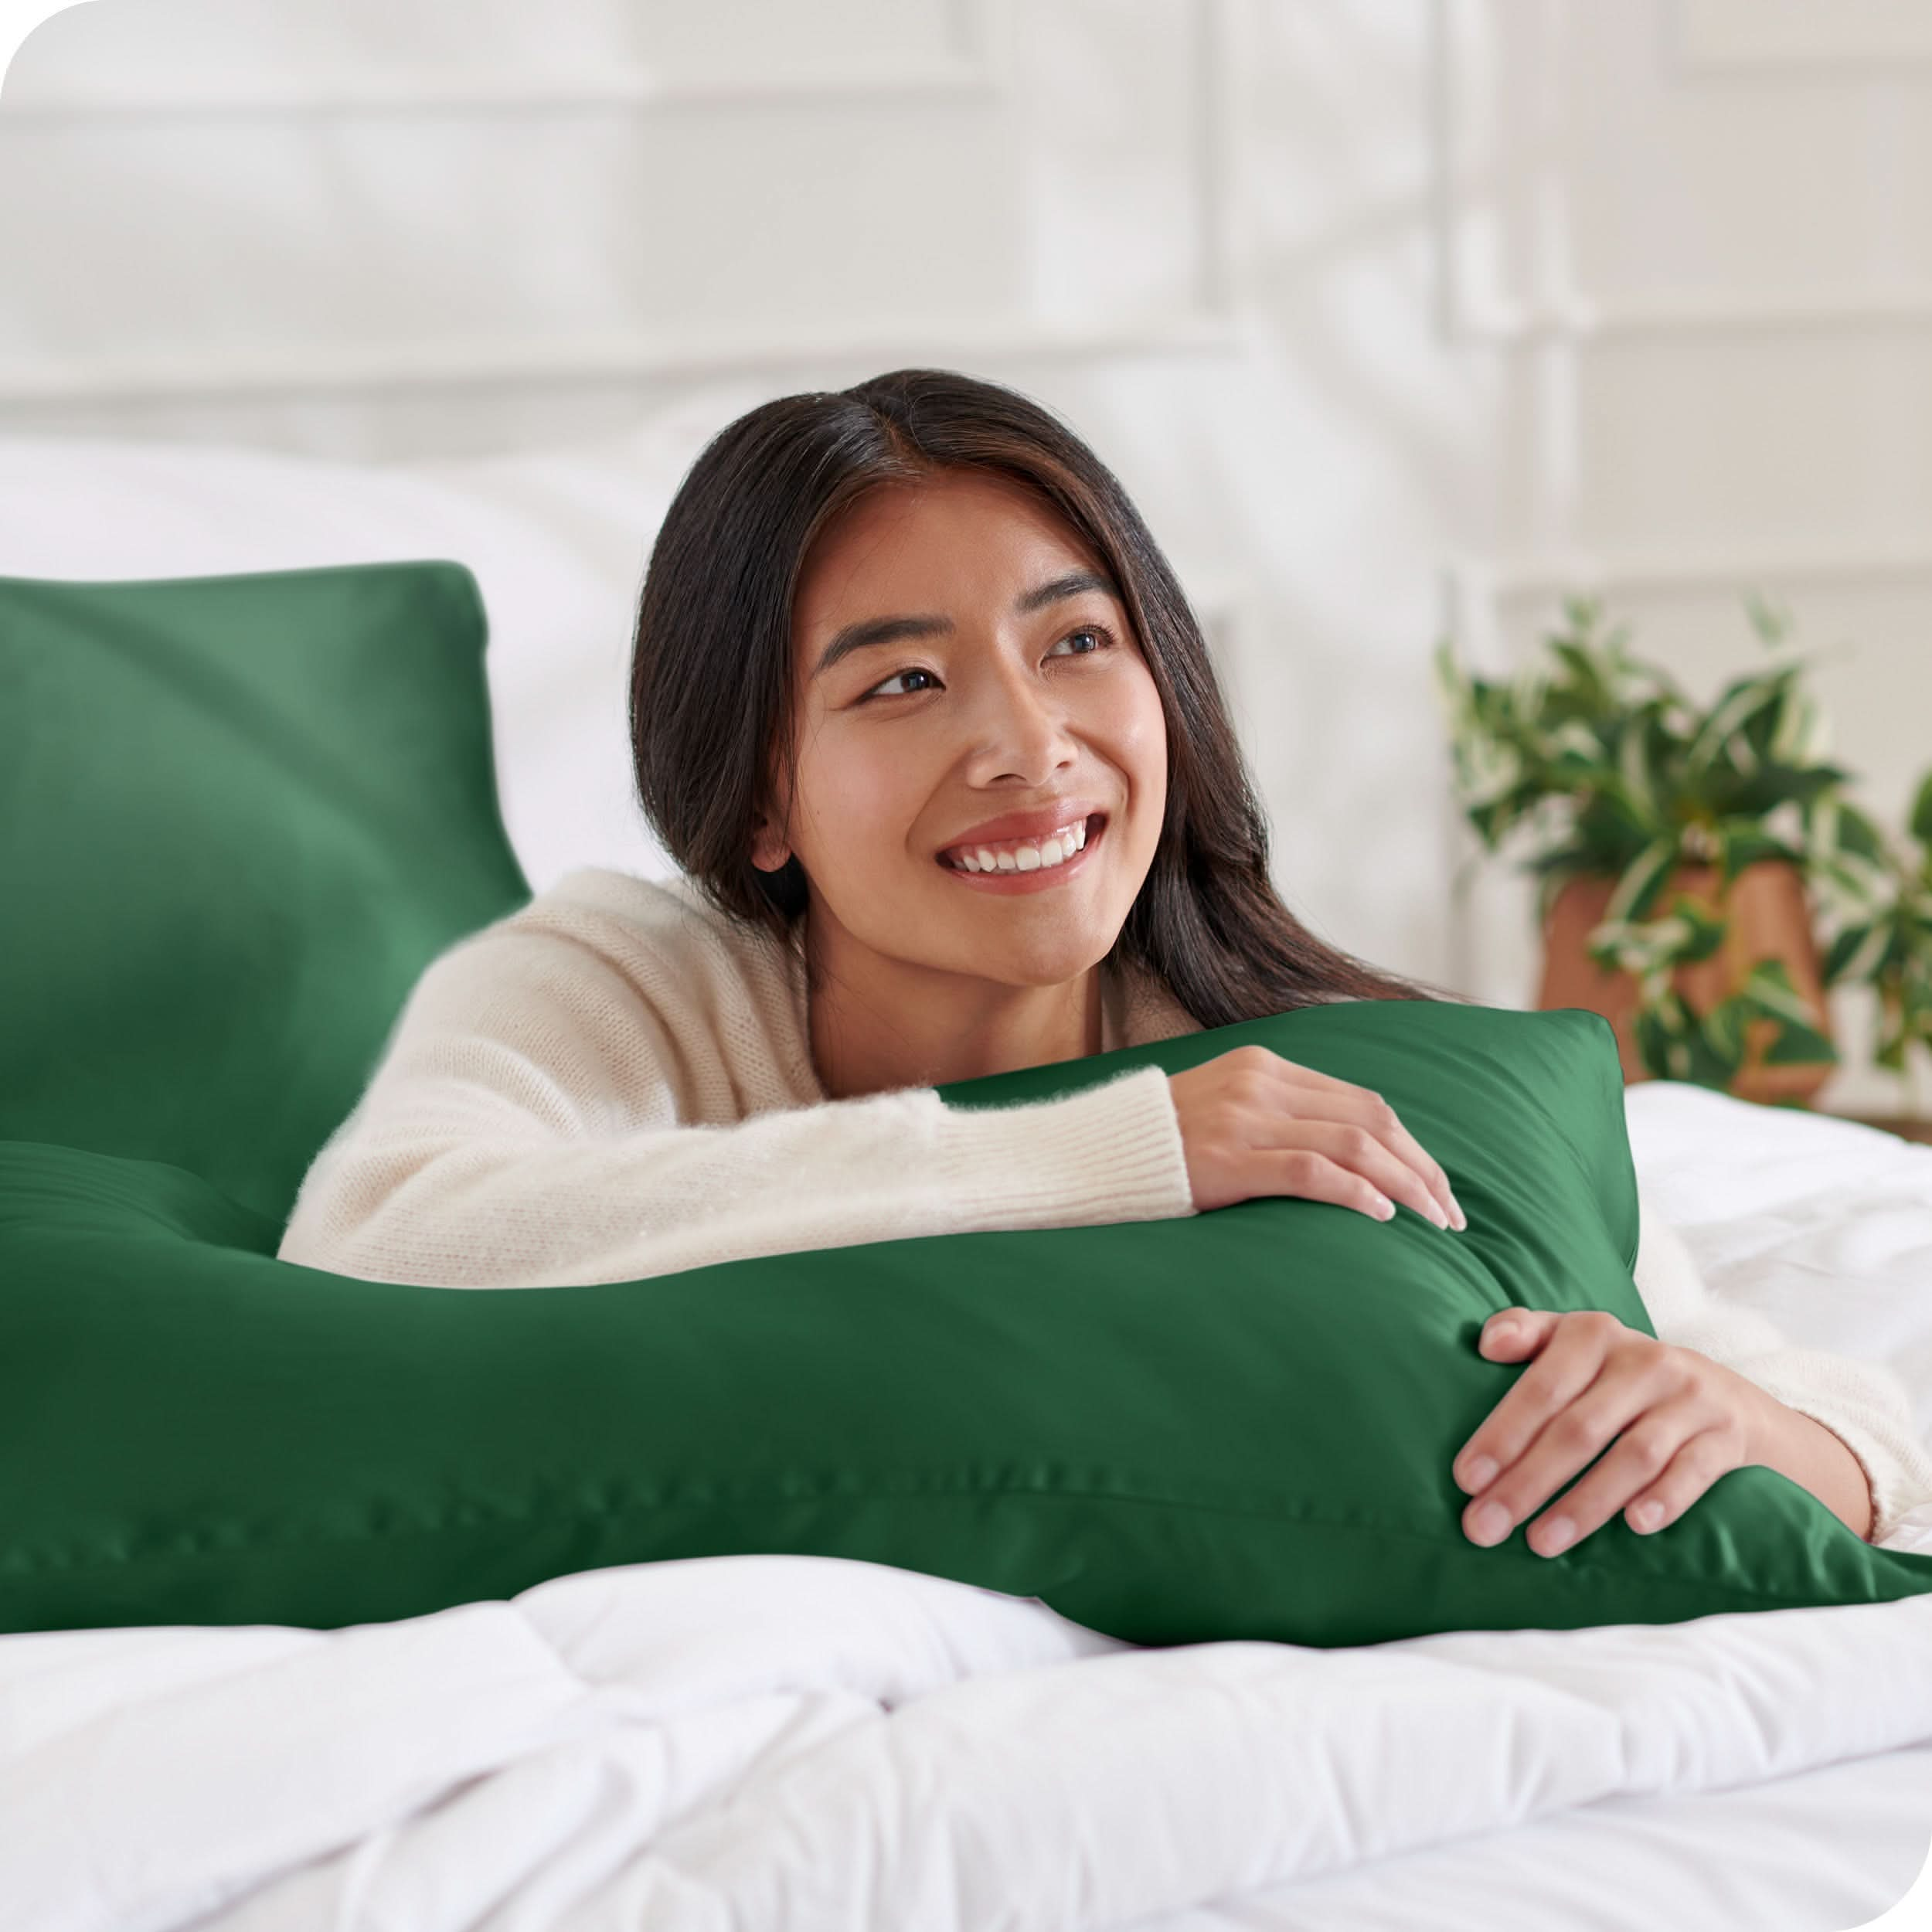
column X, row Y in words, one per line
column 1089, row 630
column 879, row 689
column 1103, row 641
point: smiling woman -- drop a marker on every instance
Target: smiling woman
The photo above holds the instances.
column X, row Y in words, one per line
column 921, row 711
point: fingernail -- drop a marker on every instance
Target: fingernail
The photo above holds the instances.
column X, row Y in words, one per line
column 1437, row 1215
column 1462, row 1219
column 1490, row 1525
column 1555, row 1535
column 1480, row 1475
column 1647, row 1515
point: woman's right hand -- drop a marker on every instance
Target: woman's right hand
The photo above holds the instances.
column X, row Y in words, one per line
column 1253, row 1123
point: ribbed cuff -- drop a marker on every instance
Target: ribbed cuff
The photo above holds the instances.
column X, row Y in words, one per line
column 1112, row 1152
column 1892, row 1490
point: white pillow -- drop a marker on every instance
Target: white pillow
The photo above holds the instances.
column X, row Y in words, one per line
column 557, row 538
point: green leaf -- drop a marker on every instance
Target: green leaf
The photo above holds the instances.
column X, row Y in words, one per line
column 1710, row 1066
column 1739, row 700
column 1768, row 986
column 1894, row 1037
column 1642, row 758
column 1742, row 842
column 1770, row 624
column 1487, row 769
column 1658, row 1049
column 1853, row 953
column 1724, row 1028
column 1637, row 890
column 1863, row 886
column 1576, row 752
column 1803, row 735
column 1750, row 744
column 1675, row 1044
column 1759, row 792
column 1614, row 827
column 1683, row 934
column 1572, row 858
column 1587, row 681
column 1857, row 834
column 1582, row 611
column 1707, row 929
column 1919, row 823
column 1800, row 1046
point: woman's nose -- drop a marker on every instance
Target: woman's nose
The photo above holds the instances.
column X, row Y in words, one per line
column 1016, row 708
column 1024, row 734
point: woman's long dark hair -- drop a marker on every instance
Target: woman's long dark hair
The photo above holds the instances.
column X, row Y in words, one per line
column 711, row 678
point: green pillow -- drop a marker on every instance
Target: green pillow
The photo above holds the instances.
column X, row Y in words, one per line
column 1237, row 1424
column 238, row 816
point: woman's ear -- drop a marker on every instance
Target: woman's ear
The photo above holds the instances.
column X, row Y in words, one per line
column 769, row 851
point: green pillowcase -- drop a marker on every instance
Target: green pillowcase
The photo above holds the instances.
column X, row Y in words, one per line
column 238, row 816
column 1237, row 1424
column 250, row 810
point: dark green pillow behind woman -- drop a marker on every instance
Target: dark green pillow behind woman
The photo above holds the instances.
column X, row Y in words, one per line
column 238, row 816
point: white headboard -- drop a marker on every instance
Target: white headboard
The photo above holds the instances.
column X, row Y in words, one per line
column 384, row 228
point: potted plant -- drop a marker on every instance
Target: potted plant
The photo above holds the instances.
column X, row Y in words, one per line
column 1687, row 857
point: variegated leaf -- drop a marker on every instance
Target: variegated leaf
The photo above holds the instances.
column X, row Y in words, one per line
column 1636, row 891
column 1769, row 984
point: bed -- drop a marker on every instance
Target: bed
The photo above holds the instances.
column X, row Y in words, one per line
column 764, row 1741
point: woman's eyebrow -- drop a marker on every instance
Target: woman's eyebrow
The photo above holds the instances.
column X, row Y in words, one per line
column 869, row 631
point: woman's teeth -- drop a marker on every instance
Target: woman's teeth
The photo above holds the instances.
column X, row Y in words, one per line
column 1051, row 851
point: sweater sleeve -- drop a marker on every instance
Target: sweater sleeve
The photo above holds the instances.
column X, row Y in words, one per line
column 1863, row 1403
column 521, row 1130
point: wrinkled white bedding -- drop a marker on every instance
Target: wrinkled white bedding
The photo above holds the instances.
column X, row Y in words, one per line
column 788, row 1742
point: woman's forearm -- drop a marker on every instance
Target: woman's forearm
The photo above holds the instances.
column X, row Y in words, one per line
column 1797, row 1446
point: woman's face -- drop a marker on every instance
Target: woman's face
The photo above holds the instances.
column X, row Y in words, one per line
column 992, row 684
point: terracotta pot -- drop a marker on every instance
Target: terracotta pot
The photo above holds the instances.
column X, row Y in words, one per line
column 1769, row 919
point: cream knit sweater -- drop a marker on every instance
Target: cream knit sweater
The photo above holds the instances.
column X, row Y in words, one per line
column 616, row 1081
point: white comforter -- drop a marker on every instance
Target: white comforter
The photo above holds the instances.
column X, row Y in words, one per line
column 759, row 1742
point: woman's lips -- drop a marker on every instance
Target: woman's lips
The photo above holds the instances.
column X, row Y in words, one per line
column 1042, row 878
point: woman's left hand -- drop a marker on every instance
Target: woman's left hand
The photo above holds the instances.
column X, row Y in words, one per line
column 1679, row 1421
